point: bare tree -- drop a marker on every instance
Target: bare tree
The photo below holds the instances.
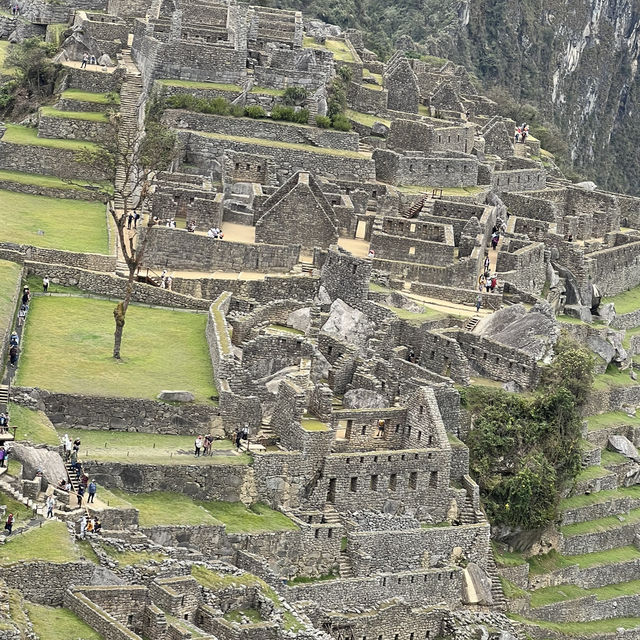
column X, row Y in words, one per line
column 129, row 157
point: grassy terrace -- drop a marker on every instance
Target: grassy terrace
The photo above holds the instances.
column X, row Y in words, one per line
column 594, row 629
column 339, row 49
column 284, row 145
column 553, row 561
column 165, row 508
column 612, row 419
column 150, row 448
column 366, row 119
column 551, row 595
column 91, row 116
column 190, row 84
column 51, row 623
column 33, row 426
column 612, row 378
column 88, row 96
column 53, row 223
column 602, row 524
column 591, row 473
column 599, row 497
column 40, row 180
column 21, row 512
column 17, row 134
column 161, row 349
column 312, row 424
column 9, row 276
column 625, row 302
column 415, row 317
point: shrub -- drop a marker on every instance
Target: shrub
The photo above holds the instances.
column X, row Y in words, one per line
column 294, row 96
column 255, row 111
column 219, row 106
column 236, row 110
column 280, row 112
column 324, row 122
column 341, row 123
column 301, row 116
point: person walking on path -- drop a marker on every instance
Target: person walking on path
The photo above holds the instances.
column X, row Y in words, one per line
column 80, row 495
column 478, row 303
column 85, row 59
column 8, row 525
column 2, row 456
column 45, row 284
column 14, row 340
column 13, row 356
column 92, row 491
column 51, row 503
column 22, row 314
column 198, row 446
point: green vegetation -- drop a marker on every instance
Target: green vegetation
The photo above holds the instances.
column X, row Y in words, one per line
column 240, row 519
column 525, row 449
column 50, row 542
column 34, row 283
column 237, row 615
column 9, row 276
column 553, row 561
column 312, row 424
column 506, row 558
column 91, row 116
column 612, row 458
column 340, row 50
column 611, row 419
column 88, row 96
column 591, row 473
column 366, row 119
column 594, row 628
column 613, row 377
column 127, row 558
column 602, row 524
column 599, row 497
column 551, row 595
column 20, row 511
column 150, row 448
column 415, row 317
column 53, row 223
column 40, row 180
column 18, row 134
column 512, row 591
column 189, row 84
column 14, row 468
column 173, row 354
column 58, row 624
column 625, row 302
column 33, row 425
column 284, row 145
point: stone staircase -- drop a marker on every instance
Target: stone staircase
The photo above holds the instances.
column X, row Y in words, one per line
column 4, row 397
column 471, row 323
column 416, row 207
column 497, row 593
column 345, row 568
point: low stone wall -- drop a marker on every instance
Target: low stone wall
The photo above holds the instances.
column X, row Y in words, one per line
column 182, row 250
column 14, row 296
column 72, row 128
column 67, row 410
column 589, row 578
column 92, row 261
column 46, row 582
column 491, row 301
column 50, row 192
column 626, row 320
column 94, row 81
column 519, row 180
column 600, row 541
column 106, row 284
column 588, row 609
column 613, row 399
column 261, row 128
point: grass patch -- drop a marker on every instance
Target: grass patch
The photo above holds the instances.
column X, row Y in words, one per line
column 40, row 180
column 51, row 623
column 601, row 524
column 174, row 356
column 33, row 425
column 612, row 458
column 311, row 424
column 284, row 145
column 340, row 50
column 34, row 283
column 91, row 116
column 561, row 593
column 50, row 542
column 585, row 500
column 17, row 134
column 611, row 378
column 14, row 468
column 592, row 473
column 10, row 274
column 366, row 119
column 20, row 511
column 512, row 591
column 582, row 628
column 240, row 519
column 446, row 191
column 611, row 419
column 371, row 86
column 128, row 558
column 625, row 302
column 53, row 223
column 239, row 615
column 415, row 317
column 281, row 327
column 89, row 96
column 507, row 558
column 189, row 84
column 148, row 448
column 569, row 319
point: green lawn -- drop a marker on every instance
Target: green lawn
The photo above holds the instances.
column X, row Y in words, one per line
column 592, row 473
column 40, row 180
column 284, row 145
column 551, row 595
column 161, row 349
column 20, row 511
column 553, row 561
column 10, row 273
column 241, row 519
column 512, row 591
column 612, row 458
column 366, row 119
column 189, row 84
column 50, row 542
column 58, row 624
column 91, row 116
column 53, row 223
column 32, row 425
column 34, row 283
column 583, row 628
column 150, row 448
column 27, row 135
column 611, row 419
column 507, row 558
column 613, row 377
column 415, row 317
column 340, row 50
column 127, row 558
column 599, row 497
column 601, row 524
column 625, row 302
column 237, row 615
column 88, row 96
column 312, row 424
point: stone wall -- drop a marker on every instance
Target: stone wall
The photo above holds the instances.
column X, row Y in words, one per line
column 50, row 192
column 95, row 81
column 25, row 252
column 68, row 410
column 616, row 269
column 72, row 128
column 179, row 249
column 262, row 128
column 519, row 180
column 345, row 276
column 363, row 99
column 392, row 247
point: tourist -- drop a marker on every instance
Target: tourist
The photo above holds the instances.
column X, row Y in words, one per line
column 487, row 263
column 494, row 282
column 97, row 527
column 136, row 217
column 85, row 59
column 380, row 432
column 2, row 455
column 22, row 314
column 14, row 339
column 168, row 282
column 478, row 302
column 66, row 443
column 198, row 445
column 84, row 480
column 371, row 254
column 73, row 458
column 191, row 226
column 83, row 526
column 26, row 296
column 13, row 356
column 3, row 421
column 570, row 237
column 80, row 495
column 68, row 486
column 92, row 59
column 211, row 233
column 487, row 284
column 92, row 491
column 90, row 525
column 206, row 447
column 8, row 525
column 238, row 438
column 495, row 238
column 51, row 503
column 411, row 356
column 76, row 445
column 129, row 220
column 517, row 135
column 45, row 284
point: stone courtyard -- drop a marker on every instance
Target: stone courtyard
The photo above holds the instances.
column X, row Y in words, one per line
column 312, row 303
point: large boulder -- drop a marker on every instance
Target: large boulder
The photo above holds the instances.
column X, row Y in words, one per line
column 621, row 444
column 476, row 586
column 348, row 324
column 364, row 399
column 300, row 319
column 379, row 129
column 176, row 396
column 39, row 459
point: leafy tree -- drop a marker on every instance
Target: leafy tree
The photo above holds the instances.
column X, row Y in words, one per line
column 136, row 155
column 294, row 96
column 33, row 67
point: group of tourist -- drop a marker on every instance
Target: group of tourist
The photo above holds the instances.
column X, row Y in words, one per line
column 242, row 434
column 215, row 232
column 14, row 338
column 166, row 281
column 15, row 9
column 522, row 132
column 89, row 525
column 132, row 219
column 88, row 59
column 203, row 445
column 85, row 487
column 191, row 226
